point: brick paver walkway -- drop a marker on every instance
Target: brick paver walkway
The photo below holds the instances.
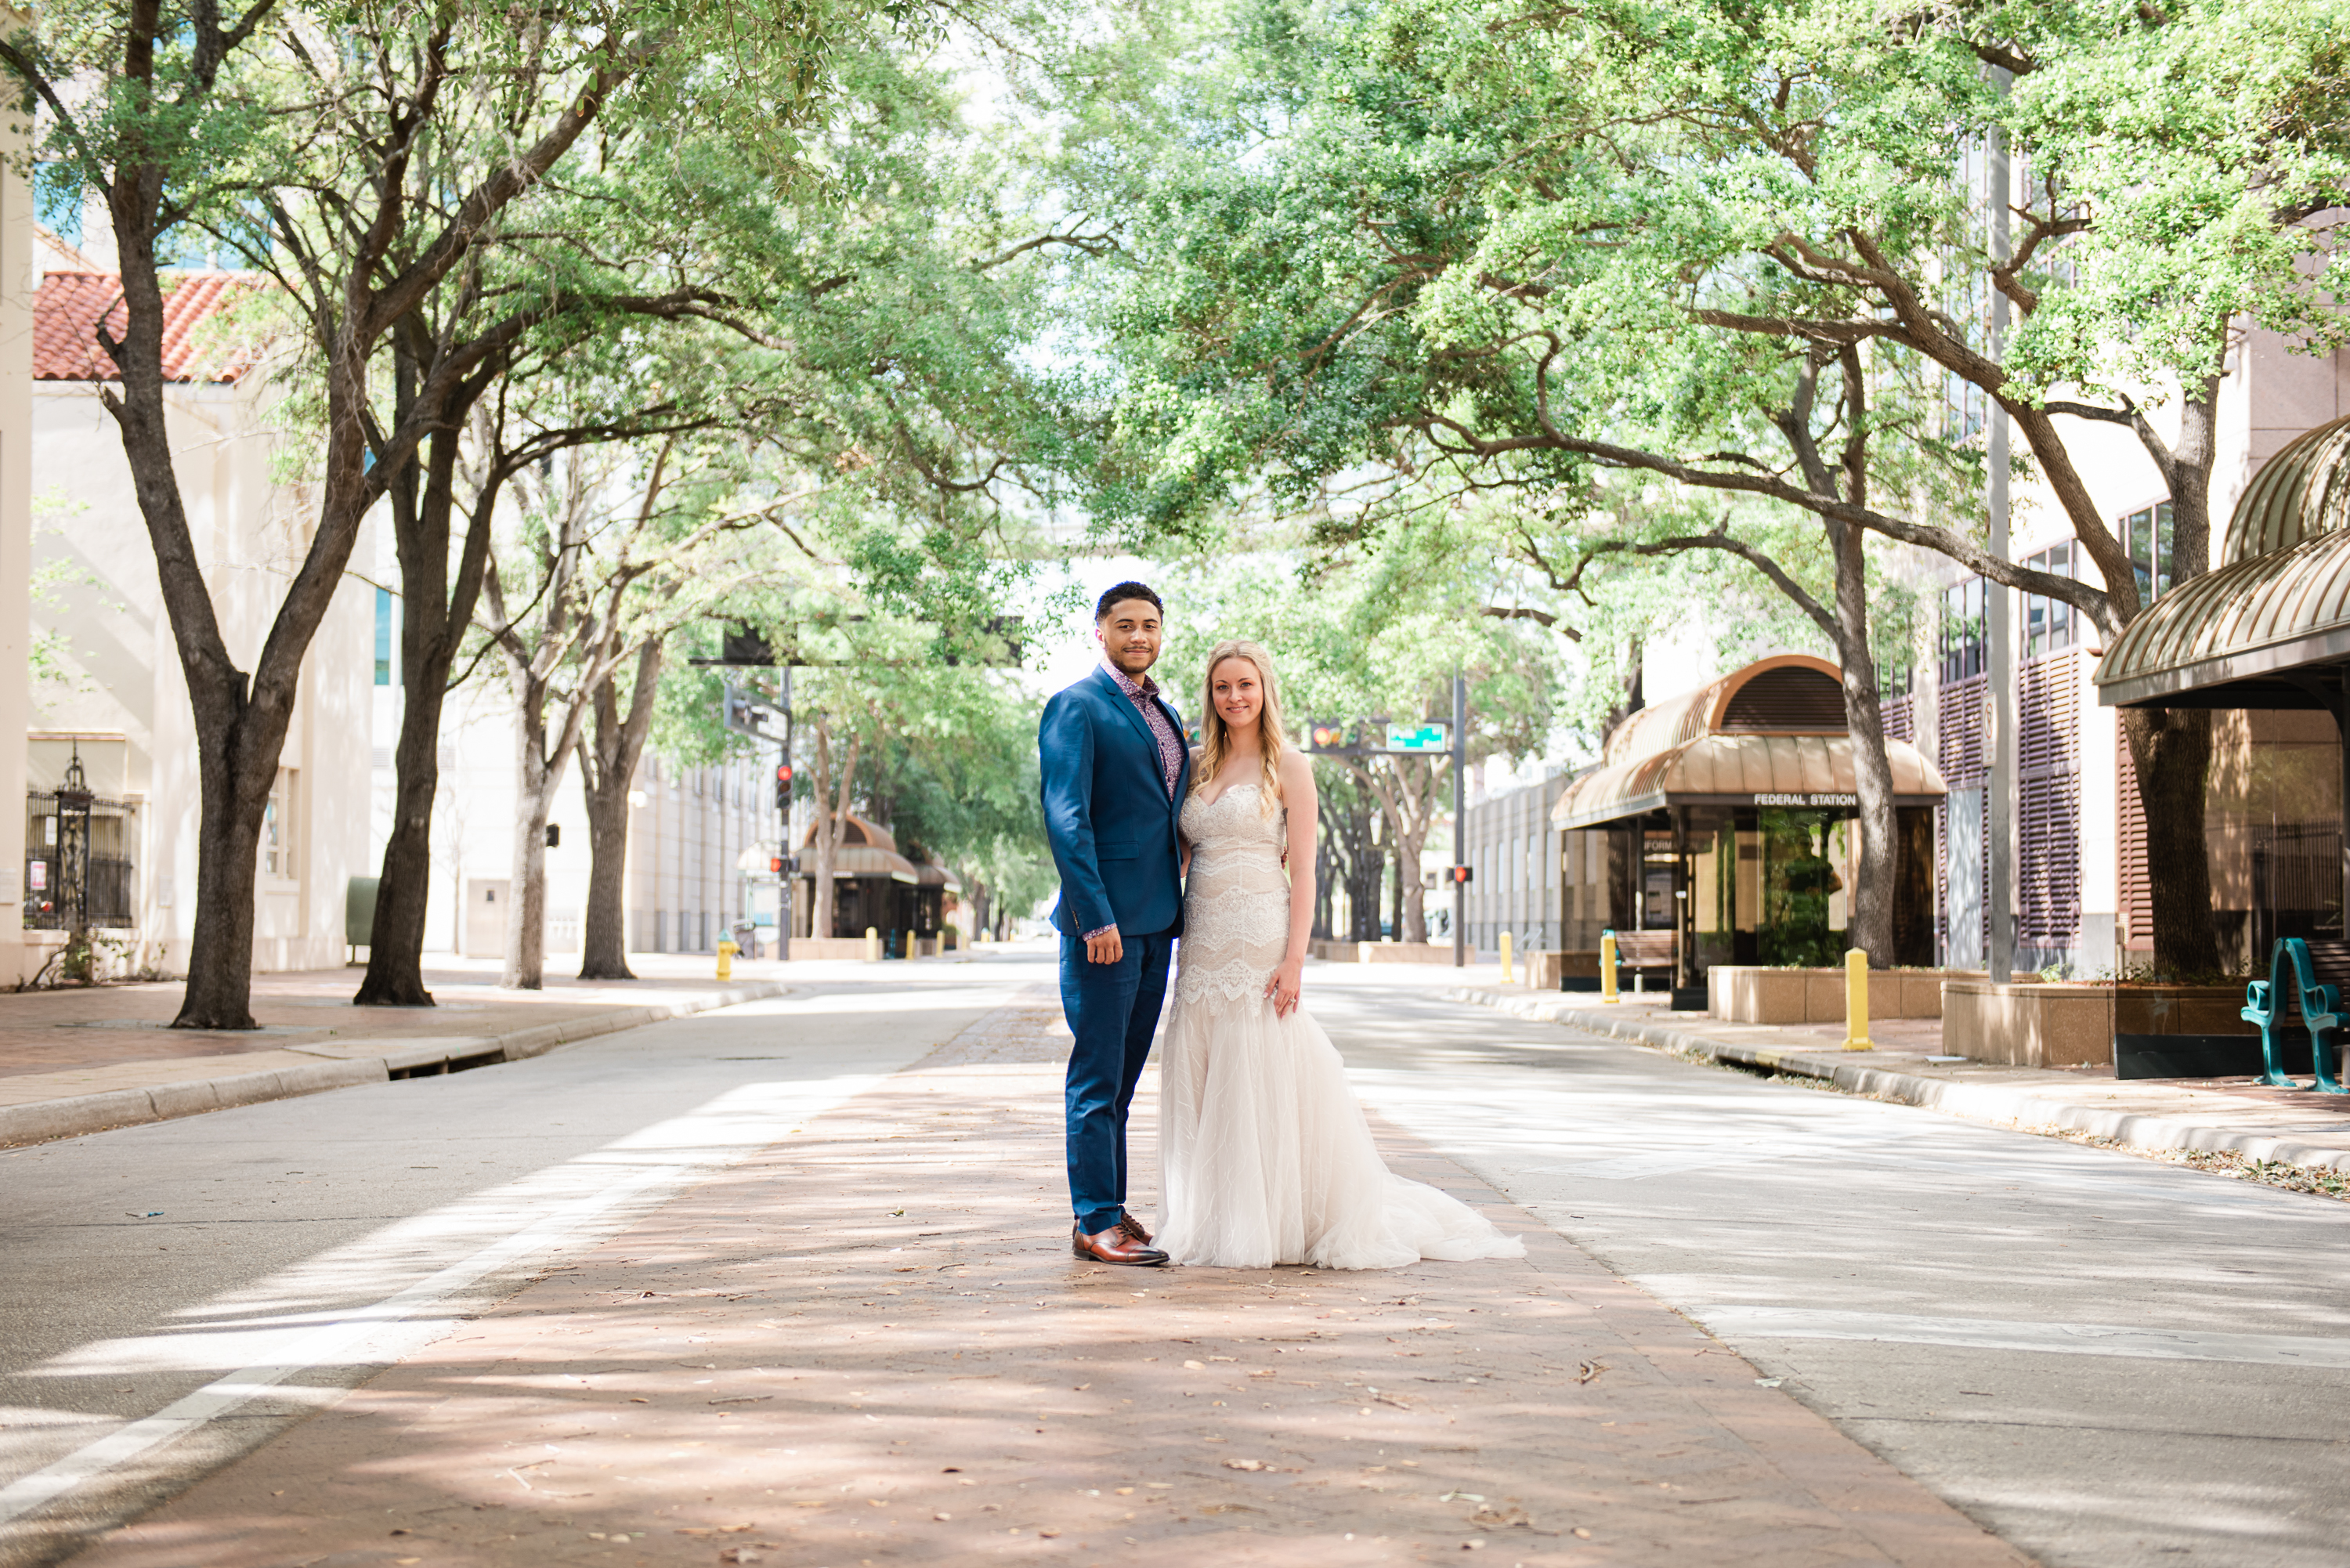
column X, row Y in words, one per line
column 871, row 1346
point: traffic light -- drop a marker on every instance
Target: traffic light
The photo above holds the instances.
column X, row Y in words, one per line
column 782, row 789
column 774, row 865
column 1461, row 873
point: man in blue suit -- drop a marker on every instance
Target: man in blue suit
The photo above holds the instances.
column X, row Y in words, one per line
column 1115, row 774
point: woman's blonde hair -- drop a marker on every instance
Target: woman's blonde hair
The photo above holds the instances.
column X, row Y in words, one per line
column 1215, row 737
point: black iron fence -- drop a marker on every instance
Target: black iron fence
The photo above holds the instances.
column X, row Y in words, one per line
column 111, row 888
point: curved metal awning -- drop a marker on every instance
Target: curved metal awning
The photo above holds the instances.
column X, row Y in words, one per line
column 867, row 860
column 2247, row 635
column 1740, row 769
column 2233, row 638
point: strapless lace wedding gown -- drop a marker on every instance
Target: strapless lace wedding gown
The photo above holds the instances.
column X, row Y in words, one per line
column 1265, row 1156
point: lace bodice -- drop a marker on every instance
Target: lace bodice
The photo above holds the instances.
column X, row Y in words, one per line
column 1236, row 900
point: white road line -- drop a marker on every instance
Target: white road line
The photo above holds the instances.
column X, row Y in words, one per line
column 329, row 1343
column 1738, row 1323
column 728, row 1129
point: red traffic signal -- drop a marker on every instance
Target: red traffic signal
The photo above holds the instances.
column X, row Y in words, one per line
column 775, row 864
column 1461, row 873
column 784, row 773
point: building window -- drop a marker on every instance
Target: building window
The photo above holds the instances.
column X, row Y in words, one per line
column 383, row 661
column 2051, row 625
column 278, row 828
column 1962, row 630
column 2147, row 537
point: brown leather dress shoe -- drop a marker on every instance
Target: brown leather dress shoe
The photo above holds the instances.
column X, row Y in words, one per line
column 1133, row 1228
column 1114, row 1246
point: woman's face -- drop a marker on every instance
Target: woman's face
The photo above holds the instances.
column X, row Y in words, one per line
column 1237, row 692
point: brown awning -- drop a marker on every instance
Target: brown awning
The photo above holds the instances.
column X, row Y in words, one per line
column 1740, row 769
column 2280, row 602
column 1769, row 735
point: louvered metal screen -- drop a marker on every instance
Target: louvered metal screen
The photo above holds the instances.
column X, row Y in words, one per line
column 2048, row 871
column 1789, row 699
column 1959, row 751
column 2136, row 898
column 1901, row 718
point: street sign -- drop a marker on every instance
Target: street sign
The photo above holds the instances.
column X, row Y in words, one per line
column 1371, row 737
column 1434, row 736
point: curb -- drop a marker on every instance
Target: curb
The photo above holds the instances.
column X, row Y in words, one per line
column 46, row 1121
column 1997, row 1104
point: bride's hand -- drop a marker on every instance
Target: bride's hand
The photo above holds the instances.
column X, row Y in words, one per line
column 1282, row 988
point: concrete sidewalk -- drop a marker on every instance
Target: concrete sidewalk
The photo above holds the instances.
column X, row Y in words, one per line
column 2233, row 1116
column 870, row 1345
column 75, row 1060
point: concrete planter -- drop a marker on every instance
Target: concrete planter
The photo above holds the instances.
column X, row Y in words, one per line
column 2034, row 1024
column 1386, row 953
column 1742, row 993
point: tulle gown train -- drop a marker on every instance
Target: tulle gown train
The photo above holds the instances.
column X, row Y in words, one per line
column 1265, row 1156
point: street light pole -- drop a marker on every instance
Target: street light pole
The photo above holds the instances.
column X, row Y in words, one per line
column 1459, row 819
column 1999, row 624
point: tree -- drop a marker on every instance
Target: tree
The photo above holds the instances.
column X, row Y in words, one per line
column 1374, row 638
column 275, row 132
column 1732, row 250
column 615, row 558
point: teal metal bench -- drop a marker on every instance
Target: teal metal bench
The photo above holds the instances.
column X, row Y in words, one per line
column 2265, row 1004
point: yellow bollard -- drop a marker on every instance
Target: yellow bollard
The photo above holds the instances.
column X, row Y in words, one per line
column 726, row 952
column 1607, row 966
column 1505, row 958
column 1855, row 1000
column 872, row 945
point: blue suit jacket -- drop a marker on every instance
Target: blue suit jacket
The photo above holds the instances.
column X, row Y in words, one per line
column 1107, row 813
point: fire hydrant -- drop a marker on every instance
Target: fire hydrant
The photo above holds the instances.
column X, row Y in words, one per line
column 726, row 952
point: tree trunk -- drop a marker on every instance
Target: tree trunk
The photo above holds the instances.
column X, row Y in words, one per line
column 607, row 763
column 603, row 940
column 1869, row 903
column 2172, row 750
column 434, row 613
column 536, row 778
column 832, row 796
column 240, row 724
column 219, row 959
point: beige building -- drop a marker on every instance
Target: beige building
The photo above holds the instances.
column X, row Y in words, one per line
column 105, row 682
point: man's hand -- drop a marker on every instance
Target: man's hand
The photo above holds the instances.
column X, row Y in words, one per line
column 1105, row 948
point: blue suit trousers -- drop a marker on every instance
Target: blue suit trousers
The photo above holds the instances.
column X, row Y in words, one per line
column 1113, row 1011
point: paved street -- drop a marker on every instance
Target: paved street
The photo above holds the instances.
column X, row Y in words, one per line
column 785, row 1281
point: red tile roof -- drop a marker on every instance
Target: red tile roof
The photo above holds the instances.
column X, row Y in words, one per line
column 66, row 309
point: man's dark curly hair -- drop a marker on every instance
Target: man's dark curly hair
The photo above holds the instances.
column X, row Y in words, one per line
column 1122, row 592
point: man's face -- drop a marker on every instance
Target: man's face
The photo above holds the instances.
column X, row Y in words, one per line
column 1129, row 635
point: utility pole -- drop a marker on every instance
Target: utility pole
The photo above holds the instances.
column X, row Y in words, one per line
column 1460, row 820
column 2000, row 736
column 784, row 846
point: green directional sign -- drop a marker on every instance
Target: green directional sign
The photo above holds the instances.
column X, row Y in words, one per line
column 1433, row 737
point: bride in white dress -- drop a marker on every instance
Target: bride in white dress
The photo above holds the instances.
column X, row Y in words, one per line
column 1265, row 1156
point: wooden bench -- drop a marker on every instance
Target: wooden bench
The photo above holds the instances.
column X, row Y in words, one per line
column 1647, row 951
column 2310, row 976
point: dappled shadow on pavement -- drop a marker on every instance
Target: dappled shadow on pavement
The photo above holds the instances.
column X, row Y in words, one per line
column 870, row 1345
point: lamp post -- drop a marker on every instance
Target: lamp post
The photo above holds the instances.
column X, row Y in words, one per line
column 73, row 865
column 1460, row 820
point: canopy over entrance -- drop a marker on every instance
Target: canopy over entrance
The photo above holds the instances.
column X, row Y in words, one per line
column 1771, row 734
column 2271, row 627
column 1726, row 815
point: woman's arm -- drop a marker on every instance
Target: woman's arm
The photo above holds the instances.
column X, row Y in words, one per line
column 1298, row 795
